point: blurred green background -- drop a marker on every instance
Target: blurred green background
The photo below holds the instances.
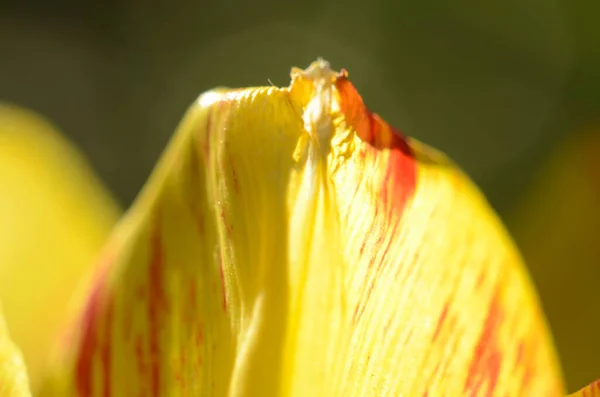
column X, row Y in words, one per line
column 499, row 86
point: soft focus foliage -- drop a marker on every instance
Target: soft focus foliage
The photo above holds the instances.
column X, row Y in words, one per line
column 557, row 228
column 54, row 217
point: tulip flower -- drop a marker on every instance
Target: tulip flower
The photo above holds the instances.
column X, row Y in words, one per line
column 54, row 219
column 292, row 243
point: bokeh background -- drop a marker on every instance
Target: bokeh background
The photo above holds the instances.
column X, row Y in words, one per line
column 510, row 90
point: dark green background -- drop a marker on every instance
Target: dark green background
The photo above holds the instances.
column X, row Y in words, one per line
column 491, row 83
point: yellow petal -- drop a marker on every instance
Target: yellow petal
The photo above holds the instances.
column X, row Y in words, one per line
column 54, row 218
column 13, row 375
column 291, row 243
column 592, row 390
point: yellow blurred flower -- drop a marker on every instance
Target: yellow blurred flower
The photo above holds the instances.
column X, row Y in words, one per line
column 291, row 243
column 54, row 218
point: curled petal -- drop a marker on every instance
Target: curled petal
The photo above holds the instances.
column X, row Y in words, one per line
column 292, row 243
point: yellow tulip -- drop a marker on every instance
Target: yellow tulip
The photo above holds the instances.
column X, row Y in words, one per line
column 54, row 218
column 292, row 243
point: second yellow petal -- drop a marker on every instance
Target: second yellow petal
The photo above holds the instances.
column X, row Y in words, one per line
column 54, row 218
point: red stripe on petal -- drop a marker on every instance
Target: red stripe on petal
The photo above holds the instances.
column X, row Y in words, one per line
column 105, row 354
column 156, row 300
column 399, row 180
column 88, row 344
column 140, row 360
column 440, row 322
column 87, row 348
column 387, row 156
column 485, row 367
column 222, row 277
